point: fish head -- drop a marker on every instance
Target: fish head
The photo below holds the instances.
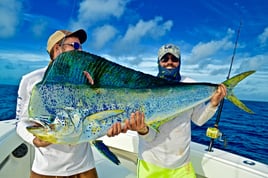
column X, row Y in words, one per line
column 66, row 126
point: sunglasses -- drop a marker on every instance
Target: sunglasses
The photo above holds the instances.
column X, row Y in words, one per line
column 75, row 45
column 166, row 58
column 168, row 46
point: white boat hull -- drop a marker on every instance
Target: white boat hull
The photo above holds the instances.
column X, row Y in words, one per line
column 216, row 164
column 12, row 166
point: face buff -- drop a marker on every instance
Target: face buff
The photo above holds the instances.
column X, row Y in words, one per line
column 169, row 74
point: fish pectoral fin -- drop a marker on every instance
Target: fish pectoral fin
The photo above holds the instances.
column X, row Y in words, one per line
column 156, row 123
column 155, row 126
column 105, row 151
column 104, row 114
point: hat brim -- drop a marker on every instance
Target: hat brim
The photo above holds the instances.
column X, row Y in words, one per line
column 80, row 34
column 168, row 52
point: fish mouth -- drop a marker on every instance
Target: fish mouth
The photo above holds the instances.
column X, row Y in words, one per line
column 38, row 125
column 42, row 131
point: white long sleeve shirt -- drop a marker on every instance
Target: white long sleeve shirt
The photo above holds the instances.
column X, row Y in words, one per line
column 55, row 159
column 170, row 147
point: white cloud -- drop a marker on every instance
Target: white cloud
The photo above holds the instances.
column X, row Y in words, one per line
column 203, row 51
column 153, row 28
column 150, row 29
column 263, row 38
column 39, row 24
column 9, row 12
column 39, row 27
column 258, row 63
column 102, row 35
column 148, row 66
column 91, row 11
column 22, row 56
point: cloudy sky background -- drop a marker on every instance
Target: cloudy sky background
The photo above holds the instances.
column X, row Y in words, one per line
column 130, row 33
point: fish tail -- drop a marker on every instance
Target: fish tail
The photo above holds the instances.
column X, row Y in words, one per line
column 230, row 84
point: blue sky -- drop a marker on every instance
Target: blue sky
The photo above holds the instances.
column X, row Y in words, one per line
column 130, row 32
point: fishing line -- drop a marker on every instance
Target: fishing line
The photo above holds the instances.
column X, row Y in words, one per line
column 73, row 9
column 222, row 101
column 230, row 69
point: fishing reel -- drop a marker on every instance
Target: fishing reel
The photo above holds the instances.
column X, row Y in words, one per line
column 214, row 133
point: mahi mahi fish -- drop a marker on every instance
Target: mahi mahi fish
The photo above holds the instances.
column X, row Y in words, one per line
column 69, row 110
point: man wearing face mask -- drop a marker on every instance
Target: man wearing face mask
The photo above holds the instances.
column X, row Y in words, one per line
column 167, row 153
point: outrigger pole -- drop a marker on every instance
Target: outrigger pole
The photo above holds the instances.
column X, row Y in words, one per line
column 215, row 129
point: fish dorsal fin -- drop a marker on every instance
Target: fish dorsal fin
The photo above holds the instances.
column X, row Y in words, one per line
column 104, row 114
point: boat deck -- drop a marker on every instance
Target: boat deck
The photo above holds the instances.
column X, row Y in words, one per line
column 16, row 158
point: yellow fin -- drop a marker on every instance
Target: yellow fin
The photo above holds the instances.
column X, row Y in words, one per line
column 156, row 123
column 104, row 114
column 48, row 138
column 230, row 84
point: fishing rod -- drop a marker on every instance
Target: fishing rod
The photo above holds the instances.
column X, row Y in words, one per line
column 214, row 133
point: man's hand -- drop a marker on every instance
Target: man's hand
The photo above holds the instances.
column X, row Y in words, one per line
column 116, row 129
column 137, row 123
column 218, row 95
column 89, row 78
column 40, row 143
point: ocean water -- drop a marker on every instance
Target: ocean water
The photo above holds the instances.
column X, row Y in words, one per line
column 8, row 100
column 246, row 134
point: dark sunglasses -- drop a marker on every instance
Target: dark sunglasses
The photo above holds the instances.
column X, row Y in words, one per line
column 166, row 58
column 75, row 45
